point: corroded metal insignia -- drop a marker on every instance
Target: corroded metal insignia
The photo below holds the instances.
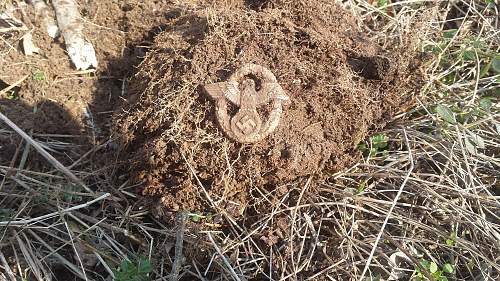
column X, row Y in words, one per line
column 246, row 125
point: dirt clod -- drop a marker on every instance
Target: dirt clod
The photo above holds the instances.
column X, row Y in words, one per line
column 340, row 86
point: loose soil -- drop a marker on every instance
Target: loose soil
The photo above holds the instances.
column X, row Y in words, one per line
column 145, row 101
column 161, row 126
column 341, row 85
column 55, row 99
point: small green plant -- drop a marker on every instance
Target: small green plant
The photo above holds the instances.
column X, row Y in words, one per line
column 378, row 144
column 446, row 113
column 437, row 273
column 70, row 195
column 462, row 115
column 6, row 214
column 452, row 240
column 361, row 187
column 485, row 103
column 133, row 270
column 464, row 49
column 382, row 4
column 495, row 63
column 196, row 217
column 38, row 75
column 12, row 95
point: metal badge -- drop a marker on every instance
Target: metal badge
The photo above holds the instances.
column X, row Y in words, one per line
column 246, row 125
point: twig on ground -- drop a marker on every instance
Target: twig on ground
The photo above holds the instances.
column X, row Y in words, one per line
column 292, row 225
column 63, row 260
column 54, row 214
column 80, row 51
column 9, row 23
column 17, row 83
column 179, row 241
column 395, row 201
column 44, row 12
column 44, row 153
column 226, row 262
column 6, row 267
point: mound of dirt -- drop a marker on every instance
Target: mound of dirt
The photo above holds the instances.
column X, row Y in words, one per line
column 340, row 85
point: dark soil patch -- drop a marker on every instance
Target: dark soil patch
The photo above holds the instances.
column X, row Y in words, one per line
column 340, row 84
column 54, row 99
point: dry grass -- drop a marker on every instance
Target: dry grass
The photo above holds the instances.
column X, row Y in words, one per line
column 427, row 201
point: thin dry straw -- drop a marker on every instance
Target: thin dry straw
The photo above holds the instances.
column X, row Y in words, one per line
column 6, row 266
column 226, row 262
column 62, row 259
column 400, row 191
column 43, row 152
column 14, row 84
column 55, row 214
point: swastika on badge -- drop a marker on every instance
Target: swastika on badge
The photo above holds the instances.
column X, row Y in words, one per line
column 246, row 125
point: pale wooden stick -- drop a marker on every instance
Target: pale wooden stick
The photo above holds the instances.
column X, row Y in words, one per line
column 14, row 85
column 70, row 23
column 43, row 12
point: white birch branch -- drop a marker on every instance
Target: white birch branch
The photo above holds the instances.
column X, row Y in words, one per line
column 80, row 51
column 45, row 13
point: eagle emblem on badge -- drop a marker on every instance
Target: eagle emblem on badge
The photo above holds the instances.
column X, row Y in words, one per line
column 246, row 126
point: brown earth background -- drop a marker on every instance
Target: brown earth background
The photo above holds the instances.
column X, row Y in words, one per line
column 158, row 124
column 340, row 84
